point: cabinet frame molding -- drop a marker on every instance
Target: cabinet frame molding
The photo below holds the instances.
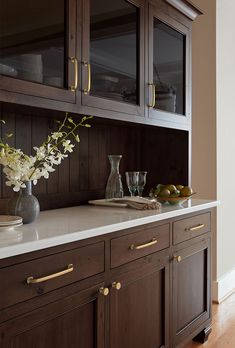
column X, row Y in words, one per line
column 180, row 26
column 90, row 101
column 25, row 90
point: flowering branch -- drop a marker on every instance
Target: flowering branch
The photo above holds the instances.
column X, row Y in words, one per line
column 19, row 167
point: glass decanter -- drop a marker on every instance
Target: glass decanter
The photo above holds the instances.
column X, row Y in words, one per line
column 114, row 188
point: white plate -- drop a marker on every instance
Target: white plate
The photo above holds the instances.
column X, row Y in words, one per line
column 107, row 203
column 9, row 220
column 8, row 70
column 10, row 227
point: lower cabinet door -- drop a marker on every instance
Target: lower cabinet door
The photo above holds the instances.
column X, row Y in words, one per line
column 76, row 321
column 191, row 290
column 139, row 310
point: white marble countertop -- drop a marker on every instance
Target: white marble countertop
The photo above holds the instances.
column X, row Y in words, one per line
column 60, row 226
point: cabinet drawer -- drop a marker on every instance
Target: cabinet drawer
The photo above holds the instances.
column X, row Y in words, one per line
column 61, row 269
column 133, row 246
column 191, row 227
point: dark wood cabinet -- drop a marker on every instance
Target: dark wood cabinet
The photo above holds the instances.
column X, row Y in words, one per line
column 113, row 56
column 39, row 52
column 124, row 59
column 139, row 310
column 191, row 289
column 169, row 65
column 157, row 296
column 191, row 278
column 74, row 321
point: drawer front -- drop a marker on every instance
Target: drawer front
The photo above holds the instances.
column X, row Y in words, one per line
column 135, row 245
column 191, row 227
column 61, row 269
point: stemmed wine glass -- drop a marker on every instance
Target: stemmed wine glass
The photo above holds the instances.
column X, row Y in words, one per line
column 141, row 183
column 132, row 182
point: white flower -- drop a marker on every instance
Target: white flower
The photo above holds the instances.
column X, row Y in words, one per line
column 41, row 152
column 48, row 168
column 56, row 135
column 67, row 146
column 19, row 168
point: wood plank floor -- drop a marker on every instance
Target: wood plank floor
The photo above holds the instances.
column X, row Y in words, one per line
column 223, row 326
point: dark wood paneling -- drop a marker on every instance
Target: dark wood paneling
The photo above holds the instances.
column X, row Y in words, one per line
column 83, row 176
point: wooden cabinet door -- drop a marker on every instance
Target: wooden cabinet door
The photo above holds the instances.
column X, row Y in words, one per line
column 75, row 321
column 36, row 51
column 191, row 290
column 139, row 311
column 169, row 74
column 113, row 57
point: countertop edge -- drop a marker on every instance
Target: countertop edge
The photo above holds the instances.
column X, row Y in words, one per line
column 19, row 249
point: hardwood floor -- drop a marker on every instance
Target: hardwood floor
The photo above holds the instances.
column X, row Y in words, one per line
column 223, row 326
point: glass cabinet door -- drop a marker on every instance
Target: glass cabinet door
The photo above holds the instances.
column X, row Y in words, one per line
column 168, row 69
column 113, row 59
column 34, row 43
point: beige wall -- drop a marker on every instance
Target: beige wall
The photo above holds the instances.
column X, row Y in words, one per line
column 204, row 107
column 213, row 144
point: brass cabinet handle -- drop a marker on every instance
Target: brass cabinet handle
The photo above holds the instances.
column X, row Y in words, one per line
column 178, row 258
column 104, row 291
column 195, row 227
column 152, row 104
column 142, row 246
column 32, row 280
column 74, row 87
column 88, row 66
column 116, row 285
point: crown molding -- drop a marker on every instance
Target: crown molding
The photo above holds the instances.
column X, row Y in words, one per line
column 186, row 7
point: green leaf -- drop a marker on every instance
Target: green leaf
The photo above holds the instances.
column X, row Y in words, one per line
column 9, row 135
column 4, row 122
column 87, row 125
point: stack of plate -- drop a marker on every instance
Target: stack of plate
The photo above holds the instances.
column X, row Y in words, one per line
column 9, row 222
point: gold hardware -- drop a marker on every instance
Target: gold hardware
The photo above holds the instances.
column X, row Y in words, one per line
column 74, row 87
column 152, row 105
column 31, row 280
column 116, row 285
column 178, row 258
column 195, row 227
column 88, row 66
column 104, row 291
column 142, row 246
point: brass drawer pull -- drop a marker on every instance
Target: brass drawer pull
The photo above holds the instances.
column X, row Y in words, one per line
column 104, row 291
column 142, row 246
column 152, row 104
column 195, row 227
column 88, row 66
column 31, row 280
column 116, row 285
column 74, row 87
column 178, row 258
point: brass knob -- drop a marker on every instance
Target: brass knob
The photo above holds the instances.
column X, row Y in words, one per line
column 178, row 258
column 116, row 285
column 104, row 291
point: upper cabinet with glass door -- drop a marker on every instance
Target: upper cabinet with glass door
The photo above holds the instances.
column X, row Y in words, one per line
column 113, row 56
column 37, row 48
column 169, row 63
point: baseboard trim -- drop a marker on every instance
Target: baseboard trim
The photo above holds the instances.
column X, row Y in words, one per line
column 223, row 287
